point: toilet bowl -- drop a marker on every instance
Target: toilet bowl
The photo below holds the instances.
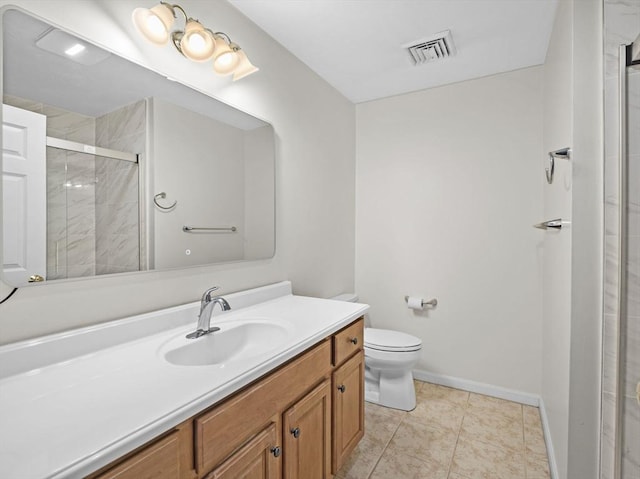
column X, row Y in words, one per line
column 389, row 357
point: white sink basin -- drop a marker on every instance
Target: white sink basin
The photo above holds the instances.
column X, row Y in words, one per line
column 234, row 342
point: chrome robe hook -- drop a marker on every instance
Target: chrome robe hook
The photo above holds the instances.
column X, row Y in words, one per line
column 564, row 153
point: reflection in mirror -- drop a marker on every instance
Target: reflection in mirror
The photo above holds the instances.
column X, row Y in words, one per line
column 109, row 167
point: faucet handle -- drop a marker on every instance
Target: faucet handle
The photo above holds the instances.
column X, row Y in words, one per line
column 207, row 294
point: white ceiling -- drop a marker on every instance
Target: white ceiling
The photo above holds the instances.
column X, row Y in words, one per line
column 357, row 45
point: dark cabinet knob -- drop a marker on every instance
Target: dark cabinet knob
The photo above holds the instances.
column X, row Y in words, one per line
column 342, row 388
column 353, row 340
column 296, row 432
column 276, row 451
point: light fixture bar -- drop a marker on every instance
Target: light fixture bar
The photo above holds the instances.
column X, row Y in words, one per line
column 194, row 41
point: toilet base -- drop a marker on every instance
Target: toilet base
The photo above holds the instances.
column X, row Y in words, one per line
column 394, row 389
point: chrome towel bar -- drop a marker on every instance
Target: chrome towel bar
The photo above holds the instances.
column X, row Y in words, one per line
column 189, row 229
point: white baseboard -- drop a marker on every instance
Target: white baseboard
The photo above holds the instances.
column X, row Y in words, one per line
column 501, row 393
column 553, row 466
column 480, row 388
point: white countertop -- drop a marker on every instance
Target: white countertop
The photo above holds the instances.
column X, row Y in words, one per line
column 69, row 418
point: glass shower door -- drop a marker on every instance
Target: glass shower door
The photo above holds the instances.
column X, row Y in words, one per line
column 92, row 215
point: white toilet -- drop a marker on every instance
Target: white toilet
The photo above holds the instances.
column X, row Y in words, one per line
column 389, row 357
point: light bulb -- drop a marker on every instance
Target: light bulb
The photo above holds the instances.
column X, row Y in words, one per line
column 225, row 59
column 196, row 43
column 154, row 24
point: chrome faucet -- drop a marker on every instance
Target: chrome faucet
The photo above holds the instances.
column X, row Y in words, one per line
column 207, row 304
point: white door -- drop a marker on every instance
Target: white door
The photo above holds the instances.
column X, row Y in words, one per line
column 24, row 198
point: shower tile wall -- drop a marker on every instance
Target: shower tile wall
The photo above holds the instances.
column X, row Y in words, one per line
column 117, row 212
column 621, row 25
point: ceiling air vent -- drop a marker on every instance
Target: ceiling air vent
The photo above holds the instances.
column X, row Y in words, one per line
column 436, row 47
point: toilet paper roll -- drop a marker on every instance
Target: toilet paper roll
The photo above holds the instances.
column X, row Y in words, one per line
column 415, row 303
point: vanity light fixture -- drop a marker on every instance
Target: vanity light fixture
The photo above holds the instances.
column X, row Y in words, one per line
column 195, row 42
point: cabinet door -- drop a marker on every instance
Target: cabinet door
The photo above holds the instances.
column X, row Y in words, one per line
column 227, row 426
column 348, row 408
column 307, row 436
column 260, row 458
column 161, row 460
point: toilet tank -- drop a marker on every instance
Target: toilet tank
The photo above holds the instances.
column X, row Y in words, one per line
column 348, row 297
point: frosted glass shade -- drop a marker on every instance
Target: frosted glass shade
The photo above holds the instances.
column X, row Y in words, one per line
column 197, row 43
column 225, row 59
column 154, row 24
column 244, row 67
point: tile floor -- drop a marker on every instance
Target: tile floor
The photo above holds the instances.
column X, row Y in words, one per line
column 451, row 434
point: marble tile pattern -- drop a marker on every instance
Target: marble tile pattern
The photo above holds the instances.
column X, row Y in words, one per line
column 117, row 193
column 451, row 434
column 621, row 26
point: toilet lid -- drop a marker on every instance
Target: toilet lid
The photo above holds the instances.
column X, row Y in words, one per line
column 387, row 340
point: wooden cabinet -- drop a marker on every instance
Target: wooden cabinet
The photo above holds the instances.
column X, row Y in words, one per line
column 348, row 341
column 160, row 460
column 298, row 422
column 221, row 430
column 348, row 408
column 170, row 457
column 260, row 458
column 307, row 436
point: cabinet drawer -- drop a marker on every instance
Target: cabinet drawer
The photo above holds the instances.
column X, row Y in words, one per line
column 348, row 341
column 222, row 430
column 160, row 460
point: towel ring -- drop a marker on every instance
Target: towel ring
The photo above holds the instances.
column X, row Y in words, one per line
column 163, row 195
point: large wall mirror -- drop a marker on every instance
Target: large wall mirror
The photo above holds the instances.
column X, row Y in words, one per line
column 109, row 167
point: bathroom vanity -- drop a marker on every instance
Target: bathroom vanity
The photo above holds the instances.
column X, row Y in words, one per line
column 285, row 400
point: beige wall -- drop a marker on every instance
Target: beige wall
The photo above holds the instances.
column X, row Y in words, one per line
column 448, row 185
column 258, row 185
column 209, row 191
column 315, row 151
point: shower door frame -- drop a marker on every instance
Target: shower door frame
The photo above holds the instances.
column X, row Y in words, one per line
column 626, row 58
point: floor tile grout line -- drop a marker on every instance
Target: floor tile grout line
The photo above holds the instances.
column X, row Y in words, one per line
column 406, row 418
column 524, row 445
column 455, row 446
column 386, row 446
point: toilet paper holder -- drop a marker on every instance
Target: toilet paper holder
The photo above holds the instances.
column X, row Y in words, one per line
column 432, row 302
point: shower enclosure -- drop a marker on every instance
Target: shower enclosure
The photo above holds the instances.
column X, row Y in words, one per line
column 92, row 214
column 620, row 432
column 627, row 457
